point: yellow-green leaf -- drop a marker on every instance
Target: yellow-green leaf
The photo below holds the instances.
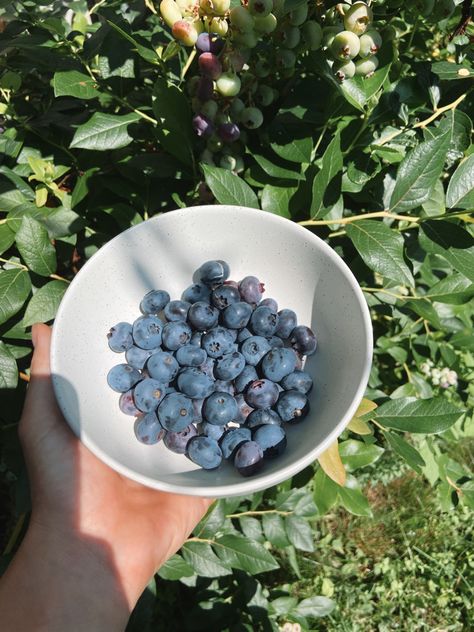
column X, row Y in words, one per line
column 331, row 463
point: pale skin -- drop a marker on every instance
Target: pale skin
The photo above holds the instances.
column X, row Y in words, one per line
column 95, row 538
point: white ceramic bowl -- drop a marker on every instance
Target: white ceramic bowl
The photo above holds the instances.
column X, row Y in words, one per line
column 299, row 270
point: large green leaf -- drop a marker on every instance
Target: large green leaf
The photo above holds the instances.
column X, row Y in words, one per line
column 426, row 416
column 316, row 607
column 325, row 492
column 300, row 533
column 405, row 450
column 175, row 568
column 274, row 529
column 418, row 173
column 15, row 285
column 104, row 131
column 381, row 248
column 171, row 108
column 354, row 501
column 8, row 368
column 448, row 70
column 229, row 188
column 248, row 555
column 7, row 237
column 35, row 247
column 276, row 171
column 203, row 560
column 71, row 83
column 327, row 182
column 44, row 303
column 355, row 454
column 277, row 199
column 460, row 193
column 452, row 242
column 455, row 289
column 296, row 150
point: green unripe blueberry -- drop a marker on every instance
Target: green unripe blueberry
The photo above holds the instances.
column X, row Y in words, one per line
column 265, row 25
column 329, row 33
column 228, row 84
column 217, row 25
column 299, row 15
column 185, row 32
column 249, row 83
column 261, row 68
column 240, row 18
column 187, row 7
column 214, row 7
column 260, row 8
column 252, row 118
column 290, row 36
column 228, row 162
column 344, row 70
column 236, row 108
column 264, row 95
column 221, row 118
column 285, row 58
column 370, row 43
column 170, row 12
column 358, row 18
column 248, row 39
column 345, row 45
column 239, row 164
column 287, row 73
column 312, row 34
column 214, row 144
column 366, row 67
column 209, row 109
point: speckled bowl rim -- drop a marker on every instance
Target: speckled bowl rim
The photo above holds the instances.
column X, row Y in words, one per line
column 247, row 486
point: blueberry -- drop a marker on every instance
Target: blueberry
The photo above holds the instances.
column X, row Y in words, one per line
column 219, row 409
column 202, row 316
column 127, row 405
column 254, row 348
column 196, row 292
column 154, row 301
column 213, row 273
column 176, row 334
column 224, row 386
column 120, row 337
column 203, row 126
column 177, row 441
column 261, row 394
column 190, row 355
column 196, row 339
column 251, row 290
column 229, row 132
column 232, row 439
column 175, row 412
column 137, row 357
column 263, row 321
column 249, row 458
column 195, row 383
column 209, row 43
column 303, row 340
column 229, row 366
column 271, row 438
column 269, row 302
column 217, row 342
column 225, row 295
column 243, row 335
column 207, row 367
column 248, row 375
column 162, row 366
column 205, row 452
column 122, row 377
column 278, row 363
column 148, row 393
column 298, row 381
column 262, row 417
column 292, row 406
column 244, row 408
column 177, row 310
column 275, row 342
column 287, row 321
column 211, row 431
column 237, row 315
column 148, row 429
column 197, row 410
column 147, row 331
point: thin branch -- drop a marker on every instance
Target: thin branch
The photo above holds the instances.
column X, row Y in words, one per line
column 260, row 513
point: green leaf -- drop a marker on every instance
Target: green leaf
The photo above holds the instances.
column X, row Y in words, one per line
column 460, row 193
column 171, row 108
column 297, row 150
column 426, row 416
column 248, row 555
column 299, row 501
column 359, row 90
column 274, row 529
column 72, row 83
column 35, row 247
column 277, row 199
column 8, row 368
column 327, row 182
column 175, row 568
column 325, row 492
column 455, row 289
column 426, row 310
column 299, row 533
column 44, row 303
column 315, row 607
column 405, row 450
column 436, row 202
column 275, row 171
column 201, row 557
column 212, row 521
column 146, row 53
column 228, row 188
column 104, row 131
column 7, row 237
column 452, row 242
column 251, row 528
column 19, row 183
column 418, row 173
column 354, row 501
column 355, row 454
column 447, row 70
column 381, row 248
column 15, row 285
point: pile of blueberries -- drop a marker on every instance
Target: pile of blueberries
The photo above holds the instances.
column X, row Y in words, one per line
column 214, row 374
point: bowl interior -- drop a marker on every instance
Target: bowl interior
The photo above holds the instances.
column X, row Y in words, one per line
column 299, row 270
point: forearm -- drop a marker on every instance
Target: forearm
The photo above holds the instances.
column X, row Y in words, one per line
column 54, row 585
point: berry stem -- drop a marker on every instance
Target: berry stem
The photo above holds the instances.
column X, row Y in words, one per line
column 188, row 63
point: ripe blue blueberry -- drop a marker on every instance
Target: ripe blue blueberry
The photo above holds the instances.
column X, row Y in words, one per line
column 204, row 451
column 147, row 331
column 213, row 273
column 232, row 439
column 154, row 301
column 211, row 431
column 254, row 348
column 271, row 438
column 207, row 367
column 248, row 375
column 197, row 410
column 120, row 337
column 263, row 321
column 220, row 408
column 176, row 334
column 251, row 290
column 177, row 310
column 244, row 409
column 225, row 295
column 249, row 458
column 269, row 302
column 189, row 355
column 237, row 315
column 263, row 416
column 137, row 357
column 196, row 339
column 261, row 394
column 127, row 404
column 202, row 316
column 287, row 321
column 298, row 381
column 177, row 441
column 122, row 377
column 229, row 366
column 303, row 340
column 148, row 429
column 162, row 366
column 275, row 342
column 243, row 335
column 175, row 412
column 217, row 342
column 202, row 126
column 224, row 386
column 195, row 383
column 278, row 363
column 229, row 132
column 196, row 292
column 292, row 406
column 148, row 393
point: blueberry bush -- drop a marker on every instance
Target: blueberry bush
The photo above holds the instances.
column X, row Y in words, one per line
column 351, row 119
